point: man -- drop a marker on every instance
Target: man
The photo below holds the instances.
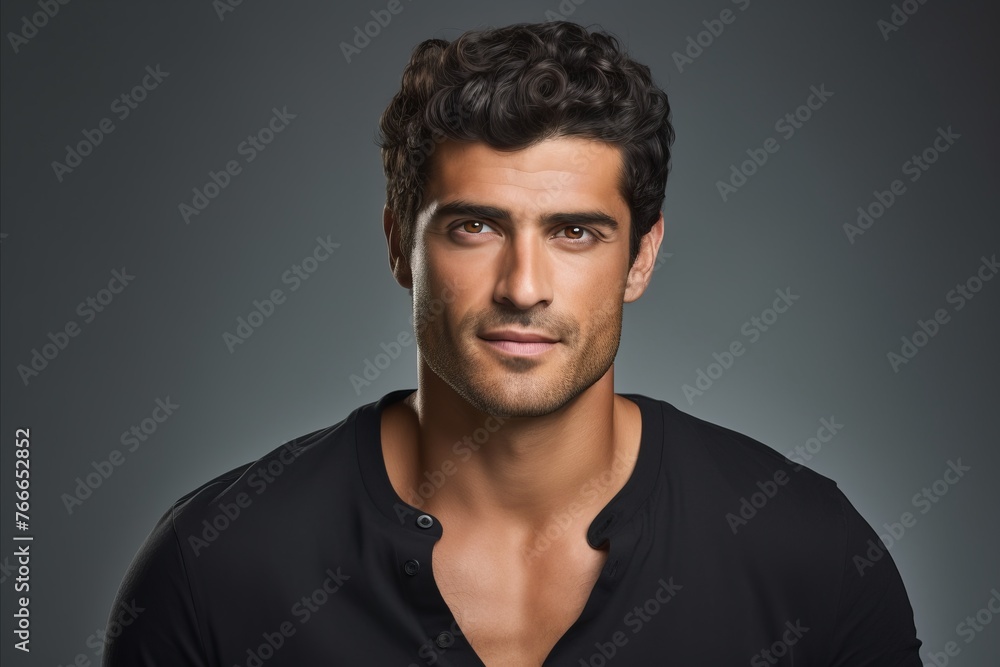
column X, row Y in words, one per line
column 514, row 510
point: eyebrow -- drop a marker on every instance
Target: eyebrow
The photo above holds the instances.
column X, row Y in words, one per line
column 465, row 208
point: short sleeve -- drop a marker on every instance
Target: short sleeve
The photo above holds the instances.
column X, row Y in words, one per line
column 153, row 612
column 874, row 617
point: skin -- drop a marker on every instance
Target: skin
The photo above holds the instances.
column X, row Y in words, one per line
column 563, row 427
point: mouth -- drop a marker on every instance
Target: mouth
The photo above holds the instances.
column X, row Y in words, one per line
column 519, row 343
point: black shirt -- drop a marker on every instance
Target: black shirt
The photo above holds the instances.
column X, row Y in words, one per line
column 722, row 552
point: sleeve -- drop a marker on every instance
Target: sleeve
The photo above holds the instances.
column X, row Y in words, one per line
column 153, row 622
column 874, row 617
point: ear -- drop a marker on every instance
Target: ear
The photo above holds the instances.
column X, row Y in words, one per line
column 397, row 260
column 641, row 271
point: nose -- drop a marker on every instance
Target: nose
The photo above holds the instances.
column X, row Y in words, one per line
column 525, row 273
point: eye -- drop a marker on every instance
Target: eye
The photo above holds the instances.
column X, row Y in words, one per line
column 472, row 227
column 583, row 233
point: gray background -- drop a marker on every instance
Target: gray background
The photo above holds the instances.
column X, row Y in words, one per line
column 162, row 336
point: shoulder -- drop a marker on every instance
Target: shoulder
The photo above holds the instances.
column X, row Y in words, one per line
column 754, row 515
column 735, row 485
column 259, row 497
column 760, row 511
column 741, row 463
column 226, row 532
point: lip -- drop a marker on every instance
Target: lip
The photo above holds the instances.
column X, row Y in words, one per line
column 521, row 348
column 519, row 343
column 518, row 336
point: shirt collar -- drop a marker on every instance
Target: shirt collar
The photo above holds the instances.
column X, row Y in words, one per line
column 608, row 522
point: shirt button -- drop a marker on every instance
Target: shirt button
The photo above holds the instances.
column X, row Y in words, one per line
column 425, row 521
column 411, row 567
column 444, row 640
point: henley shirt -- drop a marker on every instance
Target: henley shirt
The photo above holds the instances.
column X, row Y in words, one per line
column 721, row 552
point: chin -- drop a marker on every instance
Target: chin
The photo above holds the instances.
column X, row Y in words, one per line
column 538, row 400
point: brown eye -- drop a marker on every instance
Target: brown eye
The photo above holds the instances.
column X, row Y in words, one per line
column 473, row 226
column 576, row 233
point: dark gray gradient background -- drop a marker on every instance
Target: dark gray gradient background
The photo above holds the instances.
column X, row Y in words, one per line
column 162, row 336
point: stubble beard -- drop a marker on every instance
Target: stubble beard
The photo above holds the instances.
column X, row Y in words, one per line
column 512, row 387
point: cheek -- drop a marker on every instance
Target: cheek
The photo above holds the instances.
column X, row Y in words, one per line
column 460, row 288
column 440, row 269
column 443, row 307
column 603, row 305
column 602, row 289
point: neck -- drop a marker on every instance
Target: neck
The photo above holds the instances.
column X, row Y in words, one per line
column 461, row 464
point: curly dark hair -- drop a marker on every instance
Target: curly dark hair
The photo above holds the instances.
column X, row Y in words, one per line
column 514, row 86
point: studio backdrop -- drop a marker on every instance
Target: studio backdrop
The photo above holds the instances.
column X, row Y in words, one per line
column 194, row 269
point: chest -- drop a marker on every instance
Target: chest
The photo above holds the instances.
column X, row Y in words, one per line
column 514, row 605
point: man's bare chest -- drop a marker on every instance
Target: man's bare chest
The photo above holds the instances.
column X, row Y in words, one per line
column 513, row 606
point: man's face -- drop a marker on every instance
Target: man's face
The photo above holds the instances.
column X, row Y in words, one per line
column 527, row 243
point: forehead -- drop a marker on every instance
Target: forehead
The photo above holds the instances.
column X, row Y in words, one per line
column 546, row 176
